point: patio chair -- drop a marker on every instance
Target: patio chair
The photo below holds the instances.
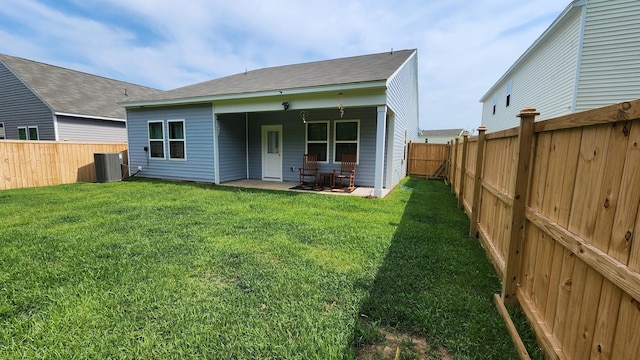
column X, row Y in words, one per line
column 347, row 171
column 309, row 168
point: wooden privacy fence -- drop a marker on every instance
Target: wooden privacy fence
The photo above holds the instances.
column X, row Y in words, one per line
column 556, row 206
column 42, row 163
column 428, row 160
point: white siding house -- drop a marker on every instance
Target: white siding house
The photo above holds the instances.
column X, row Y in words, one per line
column 257, row 124
column 589, row 57
column 439, row 136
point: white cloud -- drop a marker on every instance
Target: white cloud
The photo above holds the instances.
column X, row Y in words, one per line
column 464, row 46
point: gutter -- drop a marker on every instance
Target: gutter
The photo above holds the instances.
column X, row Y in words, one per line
column 268, row 93
column 59, row 113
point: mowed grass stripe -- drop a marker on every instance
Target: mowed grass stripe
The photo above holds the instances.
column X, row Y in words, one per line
column 153, row 269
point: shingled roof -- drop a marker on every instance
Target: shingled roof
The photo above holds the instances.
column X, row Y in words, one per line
column 74, row 92
column 349, row 70
column 442, row 133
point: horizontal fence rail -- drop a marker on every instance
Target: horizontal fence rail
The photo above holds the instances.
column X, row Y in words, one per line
column 556, row 205
column 41, row 163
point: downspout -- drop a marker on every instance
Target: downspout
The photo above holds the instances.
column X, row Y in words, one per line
column 216, row 155
column 246, row 140
column 56, row 135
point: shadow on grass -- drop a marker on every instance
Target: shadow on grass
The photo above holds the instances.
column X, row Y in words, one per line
column 435, row 283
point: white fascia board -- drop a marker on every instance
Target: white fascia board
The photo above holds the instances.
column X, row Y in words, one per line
column 395, row 73
column 548, row 32
column 371, row 97
column 58, row 113
column 269, row 93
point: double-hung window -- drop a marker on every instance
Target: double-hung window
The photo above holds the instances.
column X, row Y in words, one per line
column 318, row 139
column 156, row 140
column 346, row 139
column 28, row 133
column 176, row 139
column 2, row 136
column 495, row 102
column 509, row 85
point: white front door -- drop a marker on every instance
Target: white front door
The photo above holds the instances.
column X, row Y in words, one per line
column 272, row 152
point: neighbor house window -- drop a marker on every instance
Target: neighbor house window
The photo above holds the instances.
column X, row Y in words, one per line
column 27, row 133
column 509, row 84
column 318, row 139
column 2, row 137
column 495, row 102
column 346, row 139
column 156, row 140
column 176, row 139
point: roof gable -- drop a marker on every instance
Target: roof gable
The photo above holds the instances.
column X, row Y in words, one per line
column 350, row 70
column 575, row 5
column 74, row 92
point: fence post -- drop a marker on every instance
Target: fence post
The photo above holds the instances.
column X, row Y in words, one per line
column 454, row 166
column 477, row 183
column 447, row 168
column 515, row 245
column 463, row 168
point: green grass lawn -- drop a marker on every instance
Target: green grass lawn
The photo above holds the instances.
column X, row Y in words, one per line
column 147, row 269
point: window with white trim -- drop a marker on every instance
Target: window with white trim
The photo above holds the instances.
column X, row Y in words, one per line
column 346, row 139
column 495, row 102
column 33, row 133
column 2, row 136
column 317, row 139
column 156, row 139
column 28, row 133
column 509, row 85
column 177, row 144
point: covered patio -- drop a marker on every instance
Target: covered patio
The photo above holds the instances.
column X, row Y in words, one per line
column 362, row 191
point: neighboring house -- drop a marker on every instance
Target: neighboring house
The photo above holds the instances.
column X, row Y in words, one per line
column 589, row 57
column 46, row 102
column 258, row 124
column 439, row 136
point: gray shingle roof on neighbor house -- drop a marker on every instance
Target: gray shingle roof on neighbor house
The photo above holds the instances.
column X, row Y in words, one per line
column 443, row 132
column 349, row 70
column 75, row 92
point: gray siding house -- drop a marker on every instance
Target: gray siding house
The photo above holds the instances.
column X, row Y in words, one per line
column 589, row 57
column 439, row 136
column 45, row 102
column 258, row 124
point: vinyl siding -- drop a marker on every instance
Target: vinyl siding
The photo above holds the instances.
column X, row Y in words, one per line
column 545, row 79
column 402, row 98
column 19, row 106
column 610, row 68
column 293, row 132
column 199, row 163
column 80, row 129
column 232, row 147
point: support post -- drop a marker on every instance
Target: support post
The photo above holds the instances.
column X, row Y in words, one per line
column 216, row 147
column 463, row 168
column 454, row 166
column 381, row 131
column 477, row 183
column 513, row 259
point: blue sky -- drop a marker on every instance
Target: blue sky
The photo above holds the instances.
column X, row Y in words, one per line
column 463, row 46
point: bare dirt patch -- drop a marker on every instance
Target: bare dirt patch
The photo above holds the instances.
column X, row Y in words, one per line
column 401, row 346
